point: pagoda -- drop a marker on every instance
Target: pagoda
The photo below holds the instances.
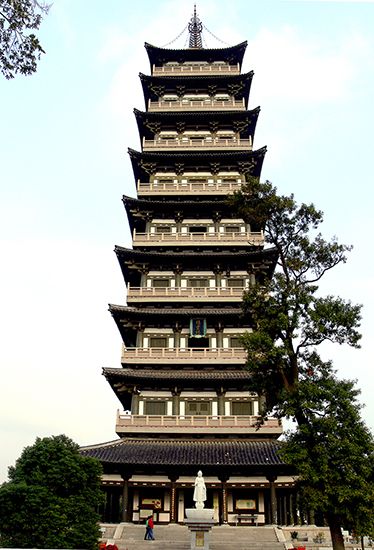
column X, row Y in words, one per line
column 183, row 385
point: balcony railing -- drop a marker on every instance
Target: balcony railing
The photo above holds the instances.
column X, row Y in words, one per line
column 188, row 188
column 250, row 238
column 172, row 294
column 196, row 424
column 186, row 144
column 196, row 105
column 184, row 355
column 195, row 69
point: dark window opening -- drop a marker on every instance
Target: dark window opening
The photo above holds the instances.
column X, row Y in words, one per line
column 155, row 407
column 242, row 408
column 232, row 229
column 198, row 283
column 157, row 342
column 161, row 283
column 235, row 342
column 235, row 283
column 198, row 342
column 198, row 229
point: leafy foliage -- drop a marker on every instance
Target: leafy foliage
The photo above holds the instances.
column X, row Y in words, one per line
column 289, row 318
column 331, row 449
column 334, row 453
column 51, row 497
column 20, row 49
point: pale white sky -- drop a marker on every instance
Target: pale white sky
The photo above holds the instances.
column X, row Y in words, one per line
column 64, row 169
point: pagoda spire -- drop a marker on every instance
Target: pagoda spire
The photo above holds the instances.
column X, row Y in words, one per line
column 195, row 28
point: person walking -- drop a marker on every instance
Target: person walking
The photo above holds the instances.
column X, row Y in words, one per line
column 151, row 527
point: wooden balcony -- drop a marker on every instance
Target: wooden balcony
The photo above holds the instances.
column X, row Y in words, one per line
column 187, row 144
column 130, row 423
column 183, row 355
column 187, row 294
column 197, row 105
column 188, row 188
column 199, row 239
column 168, row 70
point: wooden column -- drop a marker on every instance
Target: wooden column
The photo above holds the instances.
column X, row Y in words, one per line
column 173, row 499
column 223, row 510
column 175, row 392
column 177, row 335
column 135, row 403
column 221, row 401
column 125, row 497
column 178, row 276
column 219, row 335
column 273, row 500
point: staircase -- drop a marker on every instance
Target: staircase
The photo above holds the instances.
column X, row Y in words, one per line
column 128, row 536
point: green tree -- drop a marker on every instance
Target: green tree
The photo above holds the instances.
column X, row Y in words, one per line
column 333, row 451
column 291, row 319
column 51, row 498
column 20, row 49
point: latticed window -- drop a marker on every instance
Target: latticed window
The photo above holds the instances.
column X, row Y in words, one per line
column 232, row 229
column 161, row 283
column 198, row 283
column 198, row 408
column 163, row 229
column 235, row 342
column 235, row 283
column 242, row 408
column 157, row 342
column 155, row 407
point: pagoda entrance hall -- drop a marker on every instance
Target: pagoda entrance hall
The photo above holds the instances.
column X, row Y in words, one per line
column 243, row 500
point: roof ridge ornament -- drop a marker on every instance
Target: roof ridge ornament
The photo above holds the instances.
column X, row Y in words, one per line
column 195, row 28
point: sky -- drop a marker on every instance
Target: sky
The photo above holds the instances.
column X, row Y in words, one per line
column 64, row 168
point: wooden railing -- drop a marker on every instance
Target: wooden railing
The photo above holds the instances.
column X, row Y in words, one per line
column 251, row 238
column 173, row 355
column 197, row 143
column 196, row 105
column 186, row 293
column 165, row 422
column 195, row 69
column 188, row 188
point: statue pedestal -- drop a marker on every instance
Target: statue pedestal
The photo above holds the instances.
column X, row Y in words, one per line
column 199, row 522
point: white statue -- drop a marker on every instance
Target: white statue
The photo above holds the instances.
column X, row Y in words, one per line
column 199, row 494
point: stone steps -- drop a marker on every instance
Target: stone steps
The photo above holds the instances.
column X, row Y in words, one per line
column 128, row 536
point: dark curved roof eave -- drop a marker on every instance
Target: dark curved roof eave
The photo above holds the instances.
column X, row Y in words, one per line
column 193, row 118
column 130, row 374
column 232, row 54
column 186, row 452
column 152, row 160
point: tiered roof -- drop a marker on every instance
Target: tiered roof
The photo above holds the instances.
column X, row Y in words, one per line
column 146, row 163
column 237, row 86
column 150, row 123
column 217, row 454
column 263, row 262
column 138, row 209
column 159, row 56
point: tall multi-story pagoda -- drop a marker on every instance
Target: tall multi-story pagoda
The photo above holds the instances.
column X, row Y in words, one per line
column 183, row 384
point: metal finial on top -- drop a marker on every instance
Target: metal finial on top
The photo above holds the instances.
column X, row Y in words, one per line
column 195, row 28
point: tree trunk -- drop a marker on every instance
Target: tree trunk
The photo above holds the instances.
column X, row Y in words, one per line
column 335, row 532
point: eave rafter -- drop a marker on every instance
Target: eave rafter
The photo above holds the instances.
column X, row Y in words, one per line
column 150, row 124
column 232, row 54
column 247, row 163
column 237, row 86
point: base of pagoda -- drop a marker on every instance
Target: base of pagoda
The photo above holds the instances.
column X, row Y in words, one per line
column 199, row 523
